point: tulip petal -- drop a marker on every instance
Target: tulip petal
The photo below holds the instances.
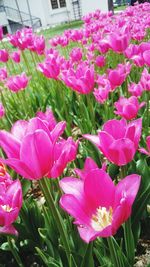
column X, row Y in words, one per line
column 37, row 124
column 88, row 166
column 99, row 189
column 19, row 129
column 105, row 141
column 9, row 144
column 73, row 186
column 92, row 138
column 8, row 230
column 121, row 151
column 111, row 126
column 74, row 208
column 57, row 131
column 36, row 153
column 19, row 167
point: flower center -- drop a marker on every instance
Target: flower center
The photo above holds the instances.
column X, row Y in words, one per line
column 102, row 218
column 6, row 208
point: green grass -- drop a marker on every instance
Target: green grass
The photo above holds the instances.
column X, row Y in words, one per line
column 61, row 28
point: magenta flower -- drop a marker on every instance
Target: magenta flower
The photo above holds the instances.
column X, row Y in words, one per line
column 146, row 56
column 50, row 68
column 3, row 74
column 135, row 89
column 98, row 206
column 39, row 44
column 76, row 54
column 128, row 107
column 2, row 110
column 145, row 80
column 4, row 56
column 10, row 205
column 143, row 150
column 48, row 117
column 119, row 42
column 15, row 56
column 119, row 146
column 117, row 76
column 18, row 82
column 34, row 151
column 80, row 80
column 100, row 61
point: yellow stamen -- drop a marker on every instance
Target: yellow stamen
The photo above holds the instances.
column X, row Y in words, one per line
column 6, row 208
column 102, row 218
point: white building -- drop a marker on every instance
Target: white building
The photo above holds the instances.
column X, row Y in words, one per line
column 36, row 13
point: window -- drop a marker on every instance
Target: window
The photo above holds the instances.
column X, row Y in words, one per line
column 54, row 4
column 62, row 3
column 58, row 3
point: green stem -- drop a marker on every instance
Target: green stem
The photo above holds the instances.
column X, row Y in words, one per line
column 91, row 109
column 129, row 241
column 26, row 62
column 14, row 252
column 56, row 215
column 113, row 253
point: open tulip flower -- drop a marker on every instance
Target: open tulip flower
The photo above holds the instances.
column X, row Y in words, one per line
column 18, row 82
column 118, row 141
column 10, row 205
column 34, row 151
column 98, row 206
column 128, row 107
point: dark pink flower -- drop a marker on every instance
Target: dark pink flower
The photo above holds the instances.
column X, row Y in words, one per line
column 128, row 107
column 98, row 206
column 4, row 56
column 10, row 205
column 18, row 82
column 119, row 146
column 34, row 151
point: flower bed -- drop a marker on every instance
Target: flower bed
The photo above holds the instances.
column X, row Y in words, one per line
column 75, row 135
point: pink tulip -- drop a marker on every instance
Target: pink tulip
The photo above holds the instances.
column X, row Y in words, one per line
column 76, row 54
column 145, row 80
column 5, row 178
column 81, row 79
column 48, row 117
column 18, row 82
column 100, row 61
column 143, row 150
column 16, row 56
column 119, row 42
column 10, row 205
column 1, row 33
column 135, row 89
column 146, row 56
column 98, row 206
column 34, row 151
column 50, row 68
column 117, row 76
column 101, row 94
column 128, row 107
column 2, row 110
column 3, row 74
column 119, row 146
column 4, row 56
column 39, row 44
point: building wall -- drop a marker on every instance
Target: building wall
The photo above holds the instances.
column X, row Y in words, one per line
column 3, row 19
column 49, row 16
column 92, row 5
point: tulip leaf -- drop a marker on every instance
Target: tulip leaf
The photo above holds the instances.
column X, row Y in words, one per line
column 48, row 261
column 88, row 257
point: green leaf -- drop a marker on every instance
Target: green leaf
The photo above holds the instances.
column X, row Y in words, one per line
column 88, row 257
column 49, row 261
